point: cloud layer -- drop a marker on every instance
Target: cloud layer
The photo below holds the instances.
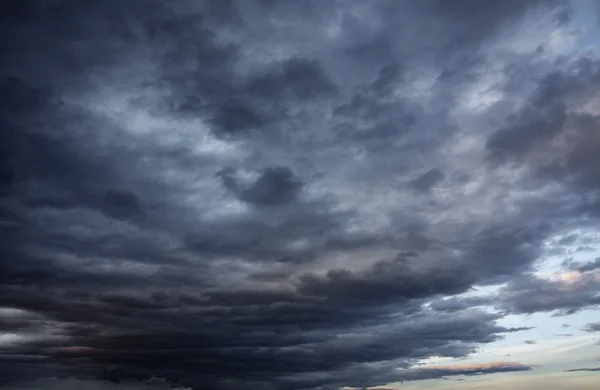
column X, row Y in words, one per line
column 276, row 194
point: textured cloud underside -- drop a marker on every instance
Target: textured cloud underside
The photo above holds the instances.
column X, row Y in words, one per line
column 288, row 194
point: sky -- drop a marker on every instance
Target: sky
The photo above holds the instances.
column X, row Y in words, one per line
column 299, row 195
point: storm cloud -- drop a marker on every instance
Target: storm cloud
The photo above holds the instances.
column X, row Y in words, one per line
column 286, row 194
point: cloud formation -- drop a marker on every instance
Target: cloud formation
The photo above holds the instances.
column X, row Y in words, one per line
column 594, row 369
column 592, row 327
column 286, row 195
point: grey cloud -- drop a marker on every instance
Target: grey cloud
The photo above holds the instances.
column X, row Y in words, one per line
column 16, row 96
column 361, row 106
column 568, row 240
column 121, row 204
column 542, row 119
column 274, row 186
column 591, row 266
column 474, row 369
column 594, row 369
column 235, row 116
column 550, row 121
column 427, row 180
column 385, row 280
column 300, row 78
column 520, row 328
column 434, row 372
column 485, row 16
column 159, row 383
column 592, row 327
column 309, row 262
column 530, row 294
column 457, row 304
column 506, row 249
column 60, row 383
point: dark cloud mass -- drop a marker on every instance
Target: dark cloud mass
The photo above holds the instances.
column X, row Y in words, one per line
column 274, row 194
column 593, row 327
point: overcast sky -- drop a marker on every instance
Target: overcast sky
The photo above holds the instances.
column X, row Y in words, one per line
column 299, row 194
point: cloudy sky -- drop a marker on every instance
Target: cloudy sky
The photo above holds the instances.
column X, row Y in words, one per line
column 299, row 194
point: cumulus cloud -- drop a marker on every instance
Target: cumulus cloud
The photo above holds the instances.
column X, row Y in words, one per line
column 275, row 194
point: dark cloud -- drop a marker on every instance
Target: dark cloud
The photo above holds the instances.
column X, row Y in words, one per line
column 388, row 75
column 120, row 204
column 58, row 383
column 284, row 195
column 456, row 304
column 485, row 16
column 506, row 250
column 530, row 294
column 475, row 369
column 590, row 266
column 550, row 123
column 234, row 116
column 17, row 97
column 594, row 369
column 543, row 118
column 299, row 78
column 592, row 327
column 275, row 186
column 440, row 372
column 427, row 180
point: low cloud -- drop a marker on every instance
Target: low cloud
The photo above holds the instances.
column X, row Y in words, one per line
column 286, row 195
column 594, row 369
column 592, row 327
column 74, row 384
column 476, row 369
